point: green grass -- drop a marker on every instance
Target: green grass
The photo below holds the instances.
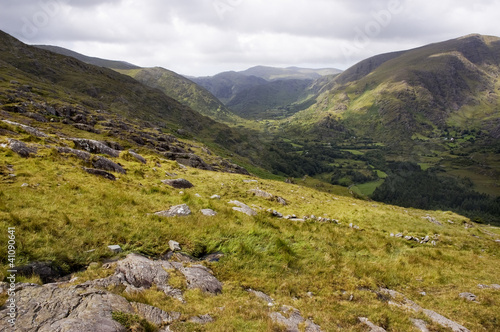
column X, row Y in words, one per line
column 64, row 213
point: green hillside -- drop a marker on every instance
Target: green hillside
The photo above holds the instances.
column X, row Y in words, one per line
column 183, row 90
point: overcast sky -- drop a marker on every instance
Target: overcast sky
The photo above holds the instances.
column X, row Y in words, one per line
column 205, row 37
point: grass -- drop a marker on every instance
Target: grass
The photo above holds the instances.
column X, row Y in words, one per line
column 64, row 213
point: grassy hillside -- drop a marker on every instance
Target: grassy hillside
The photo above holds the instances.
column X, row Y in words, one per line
column 185, row 91
column 90, row 60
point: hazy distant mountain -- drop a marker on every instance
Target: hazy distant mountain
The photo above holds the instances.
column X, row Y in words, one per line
column 266, row 91
column 87, row 59
column 273, row 73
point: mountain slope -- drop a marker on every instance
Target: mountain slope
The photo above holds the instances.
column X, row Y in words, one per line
column 53, row 81
column 183, row 90
column 87, row 59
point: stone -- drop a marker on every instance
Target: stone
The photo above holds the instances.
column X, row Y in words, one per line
column 155, row 315
column 425, row 239
column 188, row 159
column 243, row 208
column 203, row 319
column 262, row 296
column 107, row 165
column 137, row 156
column 276, row 214
column 292, row 322
column 21, row 148
column 178, row 183
column 47, row 271
column 399, row 235
column 433, row 220
column 28, row 129
column 215, row 197
column 281, row 200
column 250, row 181
column 137, row 273
column 208, row 212
column 408, row 238
column 175, row 211
column 83, row 155
column 174, row 246
column 261, row 193
column 468, row 296
column 420, row 324
column 200, row 277
column 115, row 248
column 373, row 327
column 213, row 257
column 95, row 147
column 100, row 172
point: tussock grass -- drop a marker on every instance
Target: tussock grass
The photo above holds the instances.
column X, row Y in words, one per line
column 64, row 213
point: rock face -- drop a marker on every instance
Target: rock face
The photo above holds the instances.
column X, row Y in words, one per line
column 28, row 129
column 175, row 211
column 21, row 148
column 95, row 147
column 50, row 309
column 243, row 208
column 53, row 309
column 83, row 155
column 178, row 183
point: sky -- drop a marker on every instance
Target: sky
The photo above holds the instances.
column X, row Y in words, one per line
column 205, row 37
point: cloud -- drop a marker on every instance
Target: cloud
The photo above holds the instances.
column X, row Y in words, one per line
column 200, row 37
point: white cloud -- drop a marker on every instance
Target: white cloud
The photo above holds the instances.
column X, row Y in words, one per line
column 200, row 37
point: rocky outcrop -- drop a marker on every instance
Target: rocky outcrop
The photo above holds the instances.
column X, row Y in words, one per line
column 200, row 277
column 51, row 309
column 21, row 148
column 28, row 129
column 83, row 309
column 100, row 172
column 47, row 271
column 291, row 318
column 178, row 183
column 373, row 327
column 107, row 165
column 401, row 301
column 268, row 196
column 137, row 156
column 188, row 159
column 93, row 146
column 137, row 273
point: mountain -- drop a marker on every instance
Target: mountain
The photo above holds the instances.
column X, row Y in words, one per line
column 62, row 88
column 267, row 92
column 87, row 59
column 289, row 73
column 425, row 115
column 226, row 85
column 183, row 90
